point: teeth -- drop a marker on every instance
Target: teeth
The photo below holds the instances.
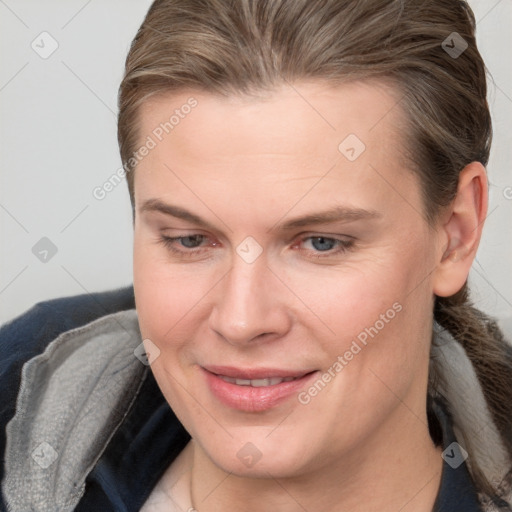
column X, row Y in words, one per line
column 231, row 380
column 257, row 383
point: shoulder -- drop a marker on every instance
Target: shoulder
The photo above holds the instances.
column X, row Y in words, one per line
column 29, row 336
column 30, row 333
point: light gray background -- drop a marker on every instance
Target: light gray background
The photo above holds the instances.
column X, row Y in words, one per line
column 58, row 142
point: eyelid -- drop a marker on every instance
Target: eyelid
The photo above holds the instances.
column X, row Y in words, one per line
column 330, row 236
column 160, row 223
column 177, row 233
column 168, row 238
column 170, row 244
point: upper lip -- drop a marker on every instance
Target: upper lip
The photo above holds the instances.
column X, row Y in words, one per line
column 254, row 373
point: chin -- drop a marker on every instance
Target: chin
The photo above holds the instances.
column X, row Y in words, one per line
column 255, row 454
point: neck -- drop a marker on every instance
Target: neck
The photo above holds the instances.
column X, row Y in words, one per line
column 396, row 469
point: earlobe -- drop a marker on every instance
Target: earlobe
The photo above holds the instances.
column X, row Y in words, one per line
column 460, row 235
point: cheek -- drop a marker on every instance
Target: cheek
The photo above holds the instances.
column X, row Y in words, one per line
column 348, row 298
column 165, row 295
column 378, row 356
column 394, row 323
column 374, row 313
column 168, row 305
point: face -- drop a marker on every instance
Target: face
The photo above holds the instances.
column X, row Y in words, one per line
column 282, row 271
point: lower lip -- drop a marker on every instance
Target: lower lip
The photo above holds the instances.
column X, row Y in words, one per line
column 254, row 399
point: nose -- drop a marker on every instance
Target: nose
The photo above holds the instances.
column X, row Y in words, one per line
column 249, row 305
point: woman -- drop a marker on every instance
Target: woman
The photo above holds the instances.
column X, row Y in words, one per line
column 308, row 188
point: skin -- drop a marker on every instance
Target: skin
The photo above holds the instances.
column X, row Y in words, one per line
column 247, row 166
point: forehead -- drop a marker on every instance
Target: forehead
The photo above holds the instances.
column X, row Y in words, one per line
column 292, row 116
column 287, row 139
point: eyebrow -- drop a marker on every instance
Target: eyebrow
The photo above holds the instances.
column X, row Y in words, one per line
column 155, row 205
column 335, row 214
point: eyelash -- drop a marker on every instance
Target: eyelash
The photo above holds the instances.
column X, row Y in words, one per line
column 343, row 246
column 169, row 242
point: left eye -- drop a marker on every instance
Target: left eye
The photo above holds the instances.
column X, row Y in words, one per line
column 191, row 241
column 322, row 243
column 188, row 244
column 318, row 246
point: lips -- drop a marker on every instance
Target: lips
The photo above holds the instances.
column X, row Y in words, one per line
column 254, row 390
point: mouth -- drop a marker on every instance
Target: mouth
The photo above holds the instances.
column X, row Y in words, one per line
column 257, row 383
column 254, row 390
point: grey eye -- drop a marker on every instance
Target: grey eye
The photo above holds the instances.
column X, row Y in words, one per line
column 321, row 243
column 191, row 241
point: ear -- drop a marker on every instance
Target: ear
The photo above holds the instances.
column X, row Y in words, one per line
column 460, row 231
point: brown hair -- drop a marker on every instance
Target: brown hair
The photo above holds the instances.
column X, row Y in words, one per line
column 243, row 46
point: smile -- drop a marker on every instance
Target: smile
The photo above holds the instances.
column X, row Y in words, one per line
column 254, row 390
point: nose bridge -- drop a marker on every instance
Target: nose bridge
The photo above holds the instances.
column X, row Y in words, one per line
column 247, row 306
